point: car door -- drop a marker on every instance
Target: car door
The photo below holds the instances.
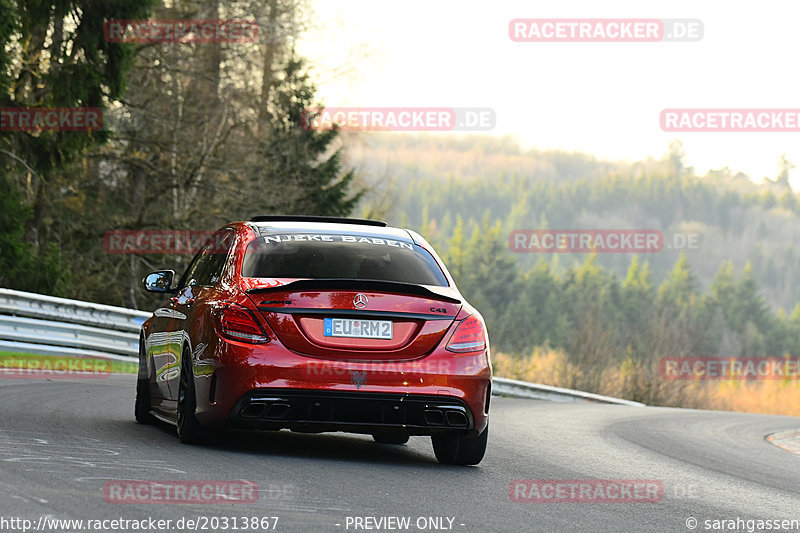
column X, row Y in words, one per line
column 159, row 351
column 195, row 298
column 167, row 362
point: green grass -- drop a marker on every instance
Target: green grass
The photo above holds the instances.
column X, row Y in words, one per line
column 29, row 360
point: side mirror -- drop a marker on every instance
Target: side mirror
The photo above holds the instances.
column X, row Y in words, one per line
column 159, row 281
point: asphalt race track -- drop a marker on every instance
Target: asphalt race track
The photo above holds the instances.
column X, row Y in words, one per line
column 62, row 440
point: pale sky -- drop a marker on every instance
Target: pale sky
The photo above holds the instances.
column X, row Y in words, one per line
column 599, row 98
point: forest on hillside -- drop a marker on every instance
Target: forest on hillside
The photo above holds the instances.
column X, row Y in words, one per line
column 430, row 183
column 734, row 294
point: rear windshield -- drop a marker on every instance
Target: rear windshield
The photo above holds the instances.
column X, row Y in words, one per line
column 340, row 257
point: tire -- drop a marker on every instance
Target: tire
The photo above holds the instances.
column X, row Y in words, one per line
column 390, row 438
column 459, row 449
column 189, row 429
column 142, row 407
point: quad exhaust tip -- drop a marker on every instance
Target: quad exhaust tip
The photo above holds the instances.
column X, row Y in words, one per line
column 269, row 408
column 446, row 415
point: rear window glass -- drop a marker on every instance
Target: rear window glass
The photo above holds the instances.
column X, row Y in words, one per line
column 340, row 257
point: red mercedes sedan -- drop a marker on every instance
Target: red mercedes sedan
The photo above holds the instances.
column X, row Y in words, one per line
column 317, row 324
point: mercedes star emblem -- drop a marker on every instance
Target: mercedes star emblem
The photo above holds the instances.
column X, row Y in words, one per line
column 360, row 301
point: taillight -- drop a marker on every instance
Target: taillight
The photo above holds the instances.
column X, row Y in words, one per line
column 236, row 323
column 468, row 336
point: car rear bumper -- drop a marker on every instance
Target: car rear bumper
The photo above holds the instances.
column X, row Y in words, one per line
column 354, row 411
column 269, row 387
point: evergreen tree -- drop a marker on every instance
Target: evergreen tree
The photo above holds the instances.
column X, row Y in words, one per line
column 54, row 54
column 636, row 311
column 21, row 267
column 300, row 158
column 680, row 290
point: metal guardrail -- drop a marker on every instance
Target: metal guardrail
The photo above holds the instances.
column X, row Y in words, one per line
column 51, row 333
column 523, row 389
column 59, row 351
column 35, row 323
column 47, row 325
column 39, row 306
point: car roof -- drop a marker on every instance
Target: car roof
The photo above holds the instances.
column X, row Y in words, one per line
column 329, row 228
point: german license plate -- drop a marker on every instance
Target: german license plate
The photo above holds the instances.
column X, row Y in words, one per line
column 357, row 328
